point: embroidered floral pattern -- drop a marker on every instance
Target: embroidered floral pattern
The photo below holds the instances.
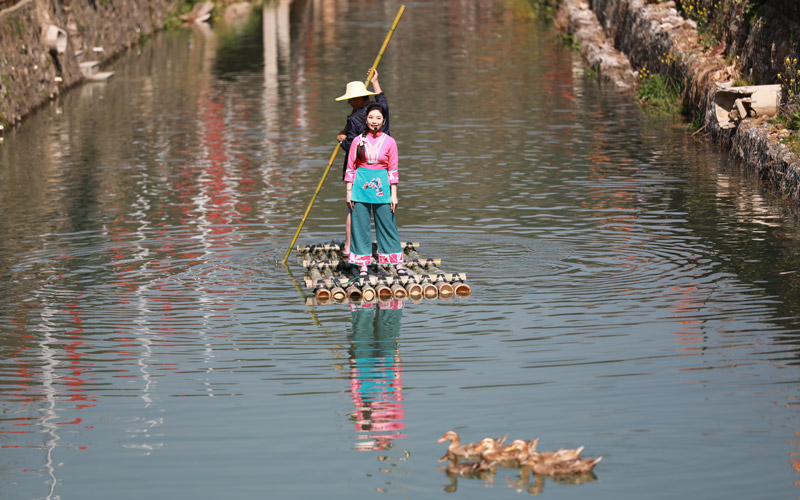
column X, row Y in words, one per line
column 360, row 260
column 374, row 183
column 392, row 258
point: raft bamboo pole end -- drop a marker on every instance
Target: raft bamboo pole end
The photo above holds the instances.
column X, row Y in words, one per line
column 353, row 293
column 322, row 294
column 413, row 289
column 445, row 289
column 368, row 293
column 338, row 293
column 398, row 291
column 430, row 291
column 383, row 291
column 462, row 289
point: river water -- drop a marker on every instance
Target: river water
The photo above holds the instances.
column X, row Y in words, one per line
column 634, row 291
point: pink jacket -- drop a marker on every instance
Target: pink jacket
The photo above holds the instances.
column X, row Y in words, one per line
column 381, row 152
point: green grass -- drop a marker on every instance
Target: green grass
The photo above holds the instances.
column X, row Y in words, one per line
column 658, row 93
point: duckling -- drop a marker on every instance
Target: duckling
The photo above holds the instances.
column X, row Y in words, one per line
column 518, row 449
column 574, row 466
column 554, row 456
column 456, row 449
column 492, row 452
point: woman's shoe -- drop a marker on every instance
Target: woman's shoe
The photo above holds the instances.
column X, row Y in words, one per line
column 401, row 271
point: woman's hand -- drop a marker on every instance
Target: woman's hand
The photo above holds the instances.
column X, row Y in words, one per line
column 393, row 203
column 340, row 137
column 347, row 196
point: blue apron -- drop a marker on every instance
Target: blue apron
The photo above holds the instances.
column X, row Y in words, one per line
column 372, row 185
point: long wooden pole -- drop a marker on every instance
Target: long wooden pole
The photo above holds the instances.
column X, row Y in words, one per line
column 339, row 146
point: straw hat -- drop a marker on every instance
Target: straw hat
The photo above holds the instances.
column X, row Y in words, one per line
column 355, row 89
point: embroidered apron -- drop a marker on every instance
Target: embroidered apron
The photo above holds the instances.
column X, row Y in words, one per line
column 372, row 185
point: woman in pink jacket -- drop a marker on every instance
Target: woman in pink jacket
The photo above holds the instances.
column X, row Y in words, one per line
column 371, row 179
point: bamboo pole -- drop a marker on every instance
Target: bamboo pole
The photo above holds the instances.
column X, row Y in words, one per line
column 398, row 291
column 462, row 289
column 338, row 293
column 445, row 289
column 339, row 146
column 414, row 289
column 353, row 293
column 383, row 292
column 368, row 293
column 429, row 290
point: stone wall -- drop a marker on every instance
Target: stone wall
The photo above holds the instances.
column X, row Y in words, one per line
column 654, row 35
column 31, row 73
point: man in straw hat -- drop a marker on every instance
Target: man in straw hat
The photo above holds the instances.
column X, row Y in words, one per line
column 357, row 96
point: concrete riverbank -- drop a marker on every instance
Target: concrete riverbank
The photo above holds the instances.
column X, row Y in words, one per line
column 44, row 42
column 618, row 37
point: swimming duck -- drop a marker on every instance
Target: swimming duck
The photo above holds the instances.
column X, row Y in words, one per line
column 574, row 466
column 554, row 456
column 456, row 449
column 492, row 451
column 518, row 449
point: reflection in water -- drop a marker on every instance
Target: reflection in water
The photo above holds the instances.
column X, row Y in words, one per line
column 525, row 481
column 376, row 375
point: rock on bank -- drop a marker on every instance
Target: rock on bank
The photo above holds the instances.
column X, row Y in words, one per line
column 34, row 68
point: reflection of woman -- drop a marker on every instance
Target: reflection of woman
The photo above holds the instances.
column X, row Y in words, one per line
column 376, row 383
column 371, row 178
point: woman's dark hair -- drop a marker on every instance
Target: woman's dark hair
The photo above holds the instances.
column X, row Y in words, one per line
column 361, row 154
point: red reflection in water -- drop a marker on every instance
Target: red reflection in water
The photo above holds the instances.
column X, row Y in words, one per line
column 376, row 382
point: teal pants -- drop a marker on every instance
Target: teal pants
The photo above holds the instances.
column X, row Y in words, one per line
column 389, row 251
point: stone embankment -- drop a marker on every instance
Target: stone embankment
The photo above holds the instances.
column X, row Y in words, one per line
column 44, row 42
column 617, row 37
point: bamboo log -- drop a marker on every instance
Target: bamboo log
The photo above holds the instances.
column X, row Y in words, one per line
column 383, row 292
column 445, row 289
column 398, row 291
column 414, row 289
column 322, row 294
column 429, row 290
column 368, row 293
column 313, row 278
column 336, row 260
column 462, row 289
column 339, row 245
column 353, row 292
column 338, row 293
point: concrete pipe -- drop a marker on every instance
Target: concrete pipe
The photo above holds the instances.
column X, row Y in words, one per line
column 734, row 104
column 55, row 39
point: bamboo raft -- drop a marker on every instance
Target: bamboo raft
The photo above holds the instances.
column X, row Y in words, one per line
column 332, row 278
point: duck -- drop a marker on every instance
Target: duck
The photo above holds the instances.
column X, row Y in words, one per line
column 518, row 449
column 456, row 449
column 554, row 456
column 574, row 466
column 492, row 451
